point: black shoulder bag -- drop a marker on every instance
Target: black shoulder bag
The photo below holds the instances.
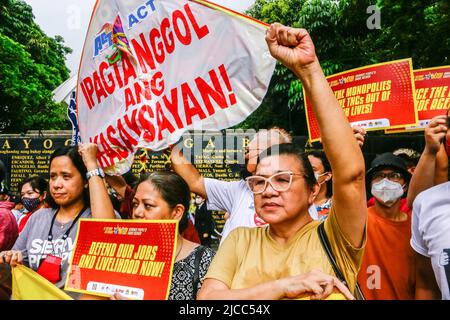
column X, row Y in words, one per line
column 326, row 246
column 196, row 277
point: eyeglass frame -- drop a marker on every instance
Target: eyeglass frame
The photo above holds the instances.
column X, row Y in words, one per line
column 321, row 174
column 384, row 175
column 269, row 180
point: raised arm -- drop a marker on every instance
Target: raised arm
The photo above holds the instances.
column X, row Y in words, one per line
column 441, row 167
column 118, row 183
column 429, row 167
column 101, row 206
column 295, row 49
column 188, row 172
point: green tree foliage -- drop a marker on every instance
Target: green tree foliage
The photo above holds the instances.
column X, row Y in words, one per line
column 409, row 28
column 415, row 28
column 31, row 66
column 284, row 89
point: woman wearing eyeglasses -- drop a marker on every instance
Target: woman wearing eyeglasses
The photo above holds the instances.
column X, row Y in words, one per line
column 281, row 261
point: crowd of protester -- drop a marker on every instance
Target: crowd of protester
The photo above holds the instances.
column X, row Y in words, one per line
column 386, row 229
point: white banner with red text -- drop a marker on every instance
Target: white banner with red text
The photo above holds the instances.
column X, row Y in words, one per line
column 151, row 70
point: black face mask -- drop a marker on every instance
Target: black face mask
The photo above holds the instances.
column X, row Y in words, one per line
column 31, row 203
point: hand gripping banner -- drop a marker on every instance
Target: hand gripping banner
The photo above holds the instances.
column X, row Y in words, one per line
column 151, row 70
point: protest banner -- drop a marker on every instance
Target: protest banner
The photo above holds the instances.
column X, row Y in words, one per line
column 153, row 70
column 432, row 96
column 133, row 258
column 375, row 97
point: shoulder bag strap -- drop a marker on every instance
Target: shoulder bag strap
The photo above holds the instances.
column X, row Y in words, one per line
column 196, row 277
column 327, row 247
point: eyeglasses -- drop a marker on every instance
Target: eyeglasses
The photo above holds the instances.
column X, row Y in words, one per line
column 318, row 175
column 280, row 181
column 394, row 176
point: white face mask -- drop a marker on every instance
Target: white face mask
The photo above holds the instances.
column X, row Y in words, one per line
column 387, row 191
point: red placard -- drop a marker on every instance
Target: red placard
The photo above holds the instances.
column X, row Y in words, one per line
column 375, row 97
column 134, row 258
column 432, row 96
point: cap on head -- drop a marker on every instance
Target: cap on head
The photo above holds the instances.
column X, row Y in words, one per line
column 388, row 161
column 410, row 156
column 411, row 153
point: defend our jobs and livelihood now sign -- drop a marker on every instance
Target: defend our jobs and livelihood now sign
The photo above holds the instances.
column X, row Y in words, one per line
column 151, row 70
column 133, row 258
column 375, row 97
column 432, row 96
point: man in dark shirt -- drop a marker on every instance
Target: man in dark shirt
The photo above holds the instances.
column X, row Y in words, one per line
column 204, row 222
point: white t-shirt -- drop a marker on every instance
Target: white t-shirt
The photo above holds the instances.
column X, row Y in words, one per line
column 431, row 232
column 235, row 198
column 18, row 215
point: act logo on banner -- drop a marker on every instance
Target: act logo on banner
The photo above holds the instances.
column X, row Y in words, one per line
column 134, row 258
column 151, row 70
column 375, row 97
column 432, row 96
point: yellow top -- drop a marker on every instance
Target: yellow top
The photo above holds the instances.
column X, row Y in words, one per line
column 250, row 256
column 333, row 296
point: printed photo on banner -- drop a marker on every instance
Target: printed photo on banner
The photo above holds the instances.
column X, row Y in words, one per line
column 151, row 70
column 432, row 96
column 375, row 97
column 132, row 258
